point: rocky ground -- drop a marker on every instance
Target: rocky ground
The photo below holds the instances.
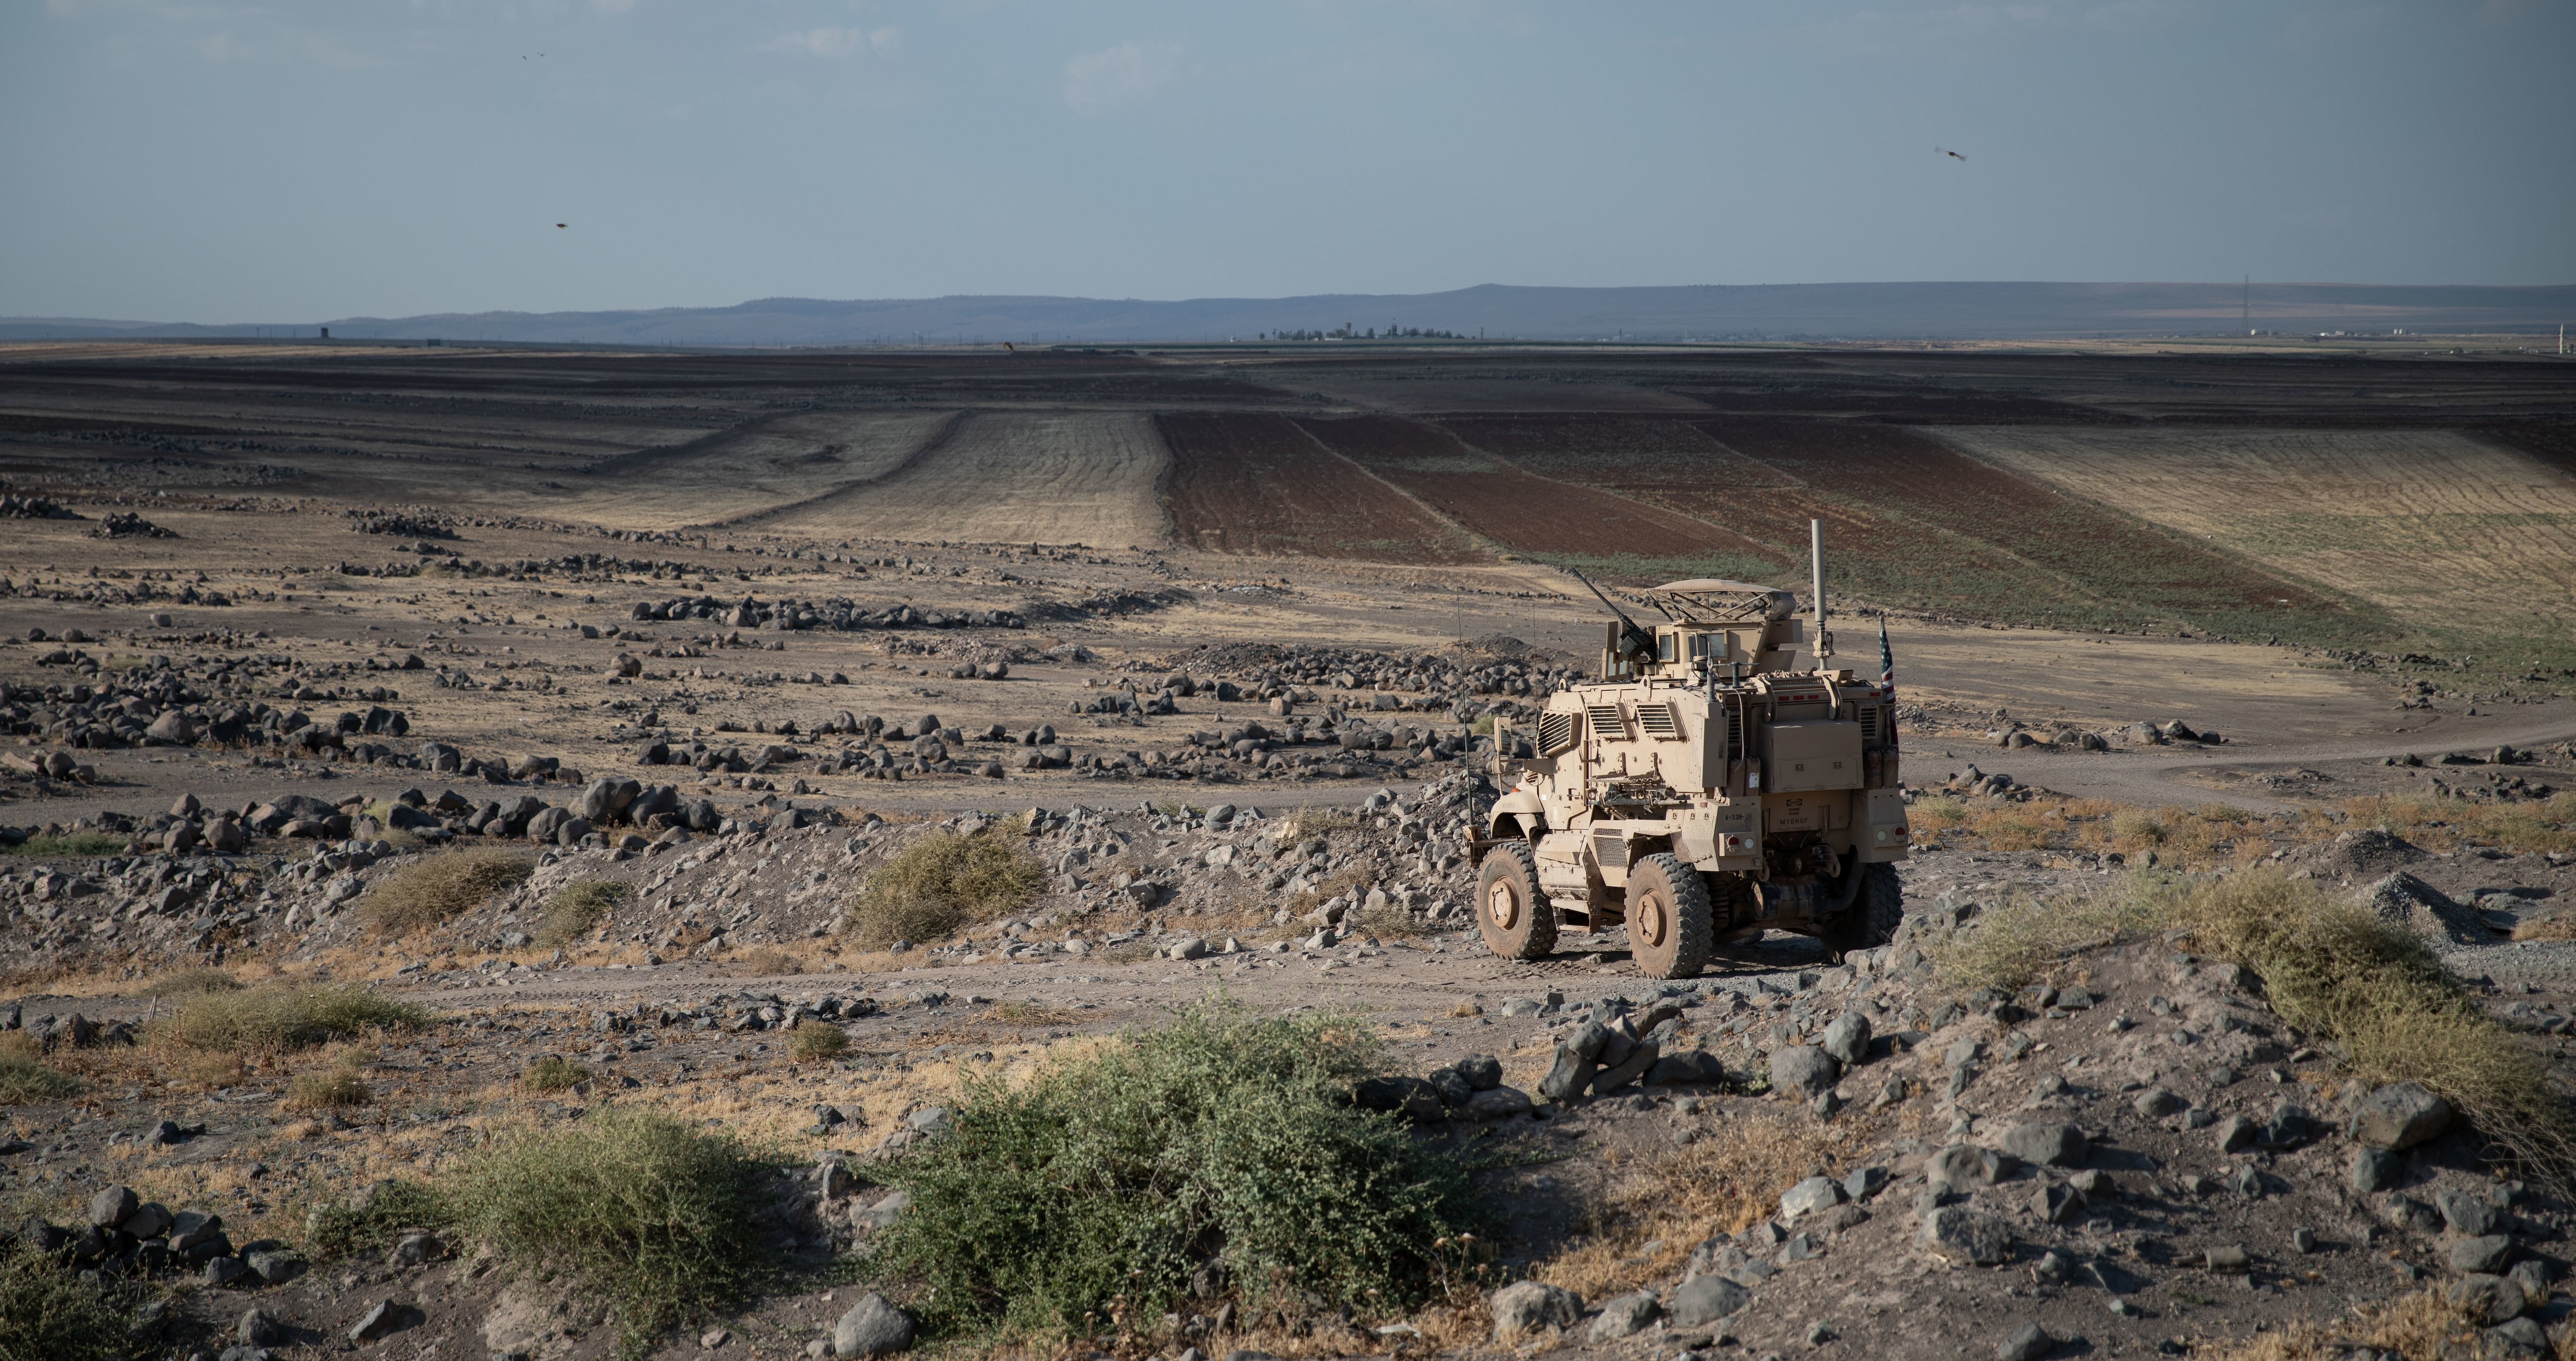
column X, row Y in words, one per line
column 2134, row 1156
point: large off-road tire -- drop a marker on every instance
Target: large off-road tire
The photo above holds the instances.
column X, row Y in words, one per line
column 1517, row 920
column 1669, row 930
column 1873, row 917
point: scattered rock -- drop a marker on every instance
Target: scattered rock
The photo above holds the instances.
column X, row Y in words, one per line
column 2398, row 1117
column 1526, row 1308
column 872, row 1327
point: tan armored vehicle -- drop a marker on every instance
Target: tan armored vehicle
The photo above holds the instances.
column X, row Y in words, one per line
column 1702, row 791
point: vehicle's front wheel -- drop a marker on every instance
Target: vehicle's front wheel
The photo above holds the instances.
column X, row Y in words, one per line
column 1668, row 917
column 1517, row 920
column 1873, row 917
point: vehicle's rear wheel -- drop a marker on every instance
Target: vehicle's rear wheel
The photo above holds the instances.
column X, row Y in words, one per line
column 1873, row 917
column 1668, row 917
column 1517, row 920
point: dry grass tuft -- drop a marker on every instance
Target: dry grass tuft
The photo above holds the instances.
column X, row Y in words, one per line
column 25, row 1082
column 816, row 1042
column 2339, row 970
column 341, row 1088
column 190, row 982
column 435, row 888
column 2418, row 1327
column 2018, row 940
column 553, row 1073
column 576, row 908
column 1720, row 1185
column 940, row 883
column 1393, row 923
column 275, row 1019
column 2559, row 925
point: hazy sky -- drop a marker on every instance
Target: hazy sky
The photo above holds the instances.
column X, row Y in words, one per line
column 200, row 160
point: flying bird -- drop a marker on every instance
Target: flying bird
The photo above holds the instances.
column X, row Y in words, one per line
column 1949, row 153
column 560, row 224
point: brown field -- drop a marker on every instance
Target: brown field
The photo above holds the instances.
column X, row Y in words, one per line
column 1258, row 484
column 1519, row 509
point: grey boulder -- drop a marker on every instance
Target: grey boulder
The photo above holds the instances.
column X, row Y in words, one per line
column 2047, row 1144
column 1527, row 1308
column 872, row 1327
column 2398, row 1117
column 1847, row 1039
column 1626, row 1316
column 1803, row 1070
column 1963, row 1237
column 1706, row 1299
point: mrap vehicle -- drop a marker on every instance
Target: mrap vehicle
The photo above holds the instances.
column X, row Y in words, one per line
column 1701, row 791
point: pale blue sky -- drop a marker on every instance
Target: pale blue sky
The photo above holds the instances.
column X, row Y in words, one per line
column 199, row 160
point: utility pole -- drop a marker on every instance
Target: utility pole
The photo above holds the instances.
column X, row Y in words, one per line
column 2249, row 304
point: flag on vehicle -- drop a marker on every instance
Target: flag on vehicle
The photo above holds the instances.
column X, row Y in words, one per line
column 1886, row 659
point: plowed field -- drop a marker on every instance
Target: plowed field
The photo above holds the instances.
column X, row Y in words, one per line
column 1254, row 483
column 1527, row 513
column 1008, row 477
column 2435, row 524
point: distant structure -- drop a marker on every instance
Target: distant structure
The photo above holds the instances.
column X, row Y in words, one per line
column 326, row 333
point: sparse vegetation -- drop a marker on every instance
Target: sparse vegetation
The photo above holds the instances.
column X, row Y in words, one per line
column 553, row 1073
column 940, row 883
column 370, row 1222
column 284, row 1017
column 1711, row 1188
column 190, row 982
column 657, row 1216
column 26, row 1082
column 49, row 1314
column 576, row 908
column 2334, row 969
column 1082, row 1201
column 2341, row 971
column 436, row 888
column 2422, row 1326
column 816, row 1042
column 2216, row 834
column 341, row 1088
column 1390, row 922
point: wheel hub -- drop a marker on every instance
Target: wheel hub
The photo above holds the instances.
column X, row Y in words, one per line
column 1502, row 905
column 1649, row 923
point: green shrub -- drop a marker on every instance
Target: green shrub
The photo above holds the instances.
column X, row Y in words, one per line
column 273, row 1019
column 649, row 1212
column 49, row 1314
column 437, row 887
column 25, row 1082
column 940, row 883
column 1222, row 1139
column 553, row 1073
column 72, row 844
column 576, row 908
column 371, row 1221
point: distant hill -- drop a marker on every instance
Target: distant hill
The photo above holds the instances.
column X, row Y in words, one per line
column 1890, row 311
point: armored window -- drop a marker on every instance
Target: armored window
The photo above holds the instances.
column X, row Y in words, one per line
column 1607, row 722
column 1556, row 732
column 1664, row 648
column 1657, row 721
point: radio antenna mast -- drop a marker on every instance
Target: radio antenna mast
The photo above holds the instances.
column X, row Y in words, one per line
column 1816, row 564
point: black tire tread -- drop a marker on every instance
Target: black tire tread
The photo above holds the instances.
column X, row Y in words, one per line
column 1692, row 915
column 1540, row 940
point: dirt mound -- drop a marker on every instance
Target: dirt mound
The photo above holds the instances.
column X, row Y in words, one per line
column 2362, row 854
column 2420, row 907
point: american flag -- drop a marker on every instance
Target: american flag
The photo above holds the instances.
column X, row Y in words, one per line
column 1886, row 659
